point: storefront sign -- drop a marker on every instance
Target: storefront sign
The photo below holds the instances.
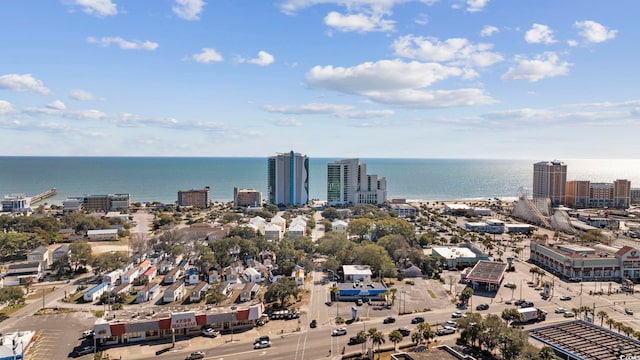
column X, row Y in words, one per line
column 183, row 320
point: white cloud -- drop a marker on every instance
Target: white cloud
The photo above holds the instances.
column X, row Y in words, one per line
column 124, row 44
column 594, row 32
column 263, row 59
column 5, row 107
column 208, row 55
column 358, row 22
column 188, row 9
column 476, row 5
column 489, row 30
column 457, row 51
column 541, row 66
column 57, row 105
column 380, row 6
column 422, row 19
column 572, row 43
column 365, row 114
column 382, row 75
column 423, row 99
column 313, row 108
column 81, row 95
column 287, row 122
column 96, row 7
column 24, row 82
column 539, row 34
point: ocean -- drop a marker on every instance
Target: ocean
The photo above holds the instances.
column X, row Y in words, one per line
column 159, row 178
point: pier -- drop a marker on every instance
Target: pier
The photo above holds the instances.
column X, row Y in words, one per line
column 47, row 194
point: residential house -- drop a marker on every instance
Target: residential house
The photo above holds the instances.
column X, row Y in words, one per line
column 59, row 252
column 122, row 288
column 259, row 222
column 174, row 292
column 249, row 291
column 193, row 276
column 272, row 232
column 230, row 275
column 130, row 275
column 297, row 230
column 103, row 235
column 41, row 255
column 339, row 227
column 17, row 274
column 279, row 221
column 112, row 277
column 148, row 275
column 213, row 276
column 199, row 292
column 148, row 292
column 298, row 276
column 251, row 275
column 164, row 266
column 173, row 275
column 92, row 294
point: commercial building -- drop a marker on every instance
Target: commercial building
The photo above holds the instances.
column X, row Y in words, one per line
column 550, row 181
column 491, row 226
column 246, row 197
column 97, row 203
column 586, row 194
column 103, row 235
column 199, row 198
column 288, row 179
column 458, row 257
column 16, row 203
column 349, row 183
column 487, row 275
column 596, row 263
column 157, row 323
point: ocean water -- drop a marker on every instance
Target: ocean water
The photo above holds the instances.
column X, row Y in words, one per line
column 160, row 178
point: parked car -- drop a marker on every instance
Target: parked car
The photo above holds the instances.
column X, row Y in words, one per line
column 569, row 314
column 560, row 310
column 510, row 285
column 359, row 302
column 526, row 304
column 356, row 340
column 87, row 334
column 519, row 302
column 461, row 306
column 628, row 311
column 313, row 324
column 85, row 350
column 417, row 319
column 445, row 331
column 339, row 332
column 482, row 307
column 262, row 345
column 210, row 332
column 404, row 331
column 565, row 297
column 389, row 320
column 261, row 339
column 457, row 315
column 195, row 355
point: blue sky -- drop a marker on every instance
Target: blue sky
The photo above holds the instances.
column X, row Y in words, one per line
column 327, row 78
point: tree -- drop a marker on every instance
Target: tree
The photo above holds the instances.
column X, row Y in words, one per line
column 61, row 266
column 534, row 271
column 336, row 291
column 27, row 282
column 80, row 254
column 282, row 291
column 510, row 314
column 377, row 338
column 513, row 288
column 215, row 295
column 360, row 228
column 465, row 295
column 11, row 295
column 331, row 214
column 602, row 315
column 425, row 329
column 416, row 337
column 395, row 337
column 546, row 353
column 610, row 322
column 109, row 261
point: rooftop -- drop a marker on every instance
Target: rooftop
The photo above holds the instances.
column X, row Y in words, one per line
column 487, row 271
column 356, row 269
column 450, row 252
column 580, row 339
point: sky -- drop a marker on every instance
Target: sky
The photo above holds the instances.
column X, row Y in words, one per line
column 544, row 79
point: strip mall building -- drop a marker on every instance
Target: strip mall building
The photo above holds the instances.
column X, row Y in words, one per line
column 132, row 326
column 599, row 262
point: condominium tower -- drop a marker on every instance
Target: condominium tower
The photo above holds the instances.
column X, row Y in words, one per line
column 550, row 181
column 288, row 179
column 200, row 198
column 348, row 183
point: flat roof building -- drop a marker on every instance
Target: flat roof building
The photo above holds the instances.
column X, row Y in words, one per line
column 246, row 197
column 458, row 256
column 199, row 198
column 288, row 179
column 487, row 275
column 550, row 181
column 349, row 183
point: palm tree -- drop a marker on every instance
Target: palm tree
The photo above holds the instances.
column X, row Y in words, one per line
column 425, row 329
column 610, row 322
column 377, row 338
column 602, row 315
column 395, row 337
column 335, row 292
column 513, row 288
column 416, row 337
column 627, row 330
column 637, row 335
column 534, row 271
column 618, row 325
column 393, row 292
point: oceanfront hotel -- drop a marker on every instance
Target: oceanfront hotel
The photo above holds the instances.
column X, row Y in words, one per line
column 349, row 183
column 288, row 179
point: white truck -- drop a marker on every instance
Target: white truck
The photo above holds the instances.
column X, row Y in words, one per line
column 531, row 314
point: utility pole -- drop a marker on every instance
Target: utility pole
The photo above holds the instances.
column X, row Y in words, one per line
column 43, row 290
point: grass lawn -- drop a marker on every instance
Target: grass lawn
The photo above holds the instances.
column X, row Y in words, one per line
column 432, row 294
column 8, row 310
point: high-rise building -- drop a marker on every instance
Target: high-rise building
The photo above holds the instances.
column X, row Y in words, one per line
column 288, row 179
column 200, row 198
column 246, row 197
column 348, row 183
column 550, row 181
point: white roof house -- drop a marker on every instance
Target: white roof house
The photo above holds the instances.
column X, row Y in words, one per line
column 339, row 226
column 273, row 232
column 356, row 273
column 297, row 230
column 280, row 221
